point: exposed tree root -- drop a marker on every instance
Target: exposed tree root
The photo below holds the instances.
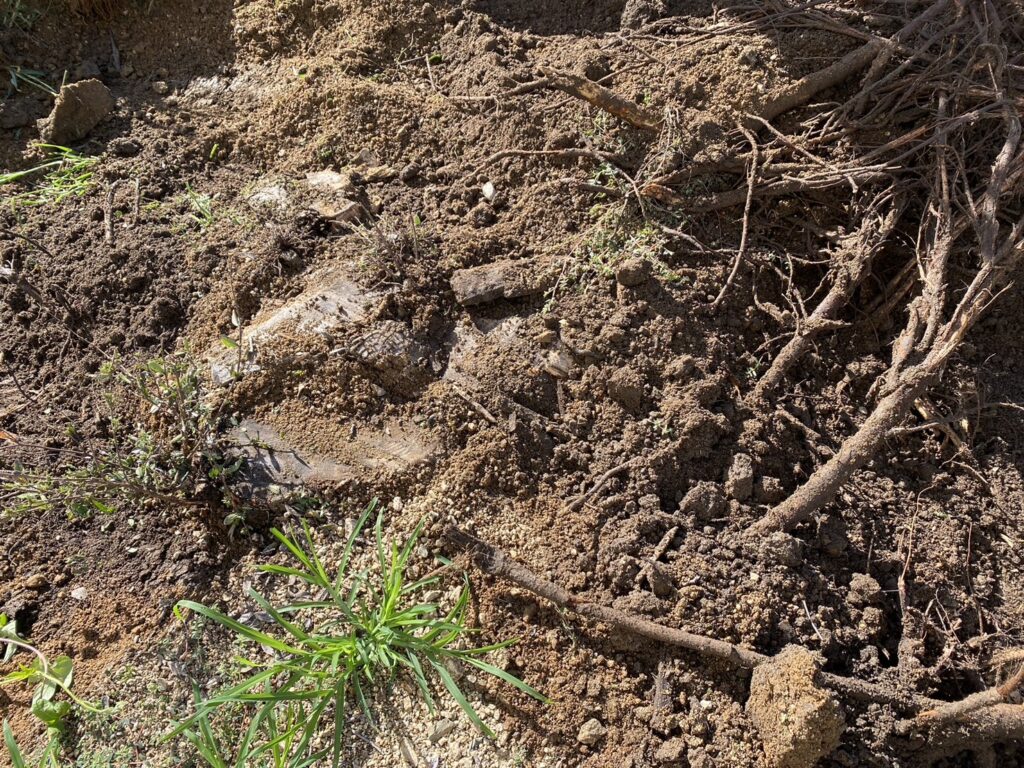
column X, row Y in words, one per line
column 976, row 721
column 956, row 710
column 572, row 153
column 806, row 88
column 924, row 347
column 998, row 724
column 495, row 562
column 851, row 263
column 776, row 188
column 602, row 98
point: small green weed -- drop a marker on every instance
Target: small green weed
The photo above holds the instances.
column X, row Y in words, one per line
column 17, row 77
column 165, row 459
column 65, row 174
column 361, row 630
column 612, row 238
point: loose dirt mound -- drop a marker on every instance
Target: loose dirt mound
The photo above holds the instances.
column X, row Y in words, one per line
column 526, row 271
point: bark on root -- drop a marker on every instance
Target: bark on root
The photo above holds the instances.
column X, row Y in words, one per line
column 929, row 340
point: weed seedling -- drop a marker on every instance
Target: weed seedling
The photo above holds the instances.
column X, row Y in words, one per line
column 201, row 207
column 356, row 635
column 165, row 457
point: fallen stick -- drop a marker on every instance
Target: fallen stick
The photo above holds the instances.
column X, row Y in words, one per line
column 497, row 563
column 602, row 98
column 582, row 499
column 755, row 157
column 519, row 90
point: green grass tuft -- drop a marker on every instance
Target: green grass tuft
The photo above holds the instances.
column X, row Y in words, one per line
column 18, row 14
column 362, row 630
column 63, row 174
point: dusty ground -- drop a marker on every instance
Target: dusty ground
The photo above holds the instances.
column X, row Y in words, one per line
column 496, row 415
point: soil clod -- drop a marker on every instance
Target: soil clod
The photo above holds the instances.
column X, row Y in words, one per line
column 79, row 108
column 798, row 721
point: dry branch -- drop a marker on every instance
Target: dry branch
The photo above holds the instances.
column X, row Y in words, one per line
column 494, row 561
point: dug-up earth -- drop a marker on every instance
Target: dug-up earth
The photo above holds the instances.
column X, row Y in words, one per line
column 440, row 307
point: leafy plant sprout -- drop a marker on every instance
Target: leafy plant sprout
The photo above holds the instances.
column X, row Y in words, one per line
column 360, row 631
column 50, row 679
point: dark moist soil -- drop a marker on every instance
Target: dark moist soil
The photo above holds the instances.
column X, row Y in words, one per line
column 494, row 416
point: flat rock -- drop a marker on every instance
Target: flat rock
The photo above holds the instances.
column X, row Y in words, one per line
column 340, row 215
column 79, row 108
column 332, row 181
column 505, row 279
column 799, row 722
column 271, row 198
column 275, row 457
column 332, row 298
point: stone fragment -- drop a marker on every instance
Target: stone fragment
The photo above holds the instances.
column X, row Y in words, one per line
column 779, row 547
column 332, row 181
column 626, row 387
column 340, row 215
column 36, row 582
column 591, row 732
column 505, row 279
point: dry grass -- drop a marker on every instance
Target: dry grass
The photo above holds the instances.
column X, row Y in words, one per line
column 103, row 9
